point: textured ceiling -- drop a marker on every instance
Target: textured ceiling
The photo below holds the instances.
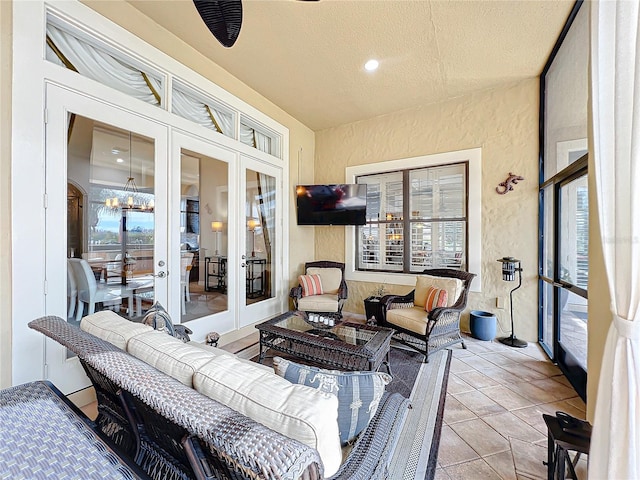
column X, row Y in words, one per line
column 308, row 57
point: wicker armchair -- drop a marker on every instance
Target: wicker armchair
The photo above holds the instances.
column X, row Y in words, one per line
column 428, row 332
column 335, row 292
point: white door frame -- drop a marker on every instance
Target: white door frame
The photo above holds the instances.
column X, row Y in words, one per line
column 65, row 373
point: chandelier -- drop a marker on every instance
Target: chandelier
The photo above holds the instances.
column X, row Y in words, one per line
column 131, row 193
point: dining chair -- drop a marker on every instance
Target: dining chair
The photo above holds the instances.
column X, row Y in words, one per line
column 186, row 262
column 72, row 291
column 90, row 292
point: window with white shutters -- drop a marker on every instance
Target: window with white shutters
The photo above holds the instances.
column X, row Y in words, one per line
column 416, row 219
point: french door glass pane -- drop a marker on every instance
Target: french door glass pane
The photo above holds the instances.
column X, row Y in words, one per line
column 548, row 249
column 203, row 235
column 574, row 234
column 547, row 316
column 110, row 221
column 573, row 325
column 260, row 210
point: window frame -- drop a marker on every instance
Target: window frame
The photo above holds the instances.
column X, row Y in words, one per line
column 407, row 221
column 473, row 158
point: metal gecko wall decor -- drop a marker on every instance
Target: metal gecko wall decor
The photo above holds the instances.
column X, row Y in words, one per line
column 508, row 184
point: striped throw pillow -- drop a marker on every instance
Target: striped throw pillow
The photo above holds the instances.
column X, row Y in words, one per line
column 311, row 285
column 435, row 298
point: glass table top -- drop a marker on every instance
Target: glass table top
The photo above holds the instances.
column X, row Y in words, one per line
column 348, row 333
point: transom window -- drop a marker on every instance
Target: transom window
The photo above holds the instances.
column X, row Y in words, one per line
column 416, row 218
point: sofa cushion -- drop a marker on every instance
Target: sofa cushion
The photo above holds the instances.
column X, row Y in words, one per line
column 311, row 285
column 327, row 302
column 219, row 351
column 453, row 286
column 436, row 297
column 169, row 355
column 111, row 327
column 331, row 278
column 296, row 411
column 358, row 393
column 414, row 319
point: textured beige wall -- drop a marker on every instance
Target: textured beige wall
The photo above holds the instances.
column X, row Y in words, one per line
column 301, row 138
column 5, row 192
column 503, row 122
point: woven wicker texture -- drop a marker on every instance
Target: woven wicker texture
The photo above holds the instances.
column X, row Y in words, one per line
column 443, row 327
column 252, row 449
column 321, row 348
column 42, row 437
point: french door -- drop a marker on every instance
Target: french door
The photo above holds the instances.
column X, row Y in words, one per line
column 106, row 181
column 154, row 213
column 225, row 234
column 565, row 271
column 260, row 280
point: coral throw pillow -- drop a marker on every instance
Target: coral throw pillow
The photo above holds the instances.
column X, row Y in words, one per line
column 435, row 298
column 311, row 285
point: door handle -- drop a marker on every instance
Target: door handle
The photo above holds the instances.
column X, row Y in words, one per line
column 161, row 274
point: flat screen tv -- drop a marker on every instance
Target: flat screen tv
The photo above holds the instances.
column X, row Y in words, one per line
column 343, row 204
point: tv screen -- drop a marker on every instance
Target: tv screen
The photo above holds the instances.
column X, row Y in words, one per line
column 343, row 204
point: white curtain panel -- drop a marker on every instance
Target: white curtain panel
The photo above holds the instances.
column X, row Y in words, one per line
column 247, row 135
column 253, row 138
column 188, row 107
column 615, row 93
column 102, row 67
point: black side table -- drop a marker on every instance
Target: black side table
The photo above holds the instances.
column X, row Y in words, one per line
column 560, row 442
column 373, row 309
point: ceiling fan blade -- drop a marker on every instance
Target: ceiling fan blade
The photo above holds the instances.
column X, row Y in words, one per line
column 222, row 17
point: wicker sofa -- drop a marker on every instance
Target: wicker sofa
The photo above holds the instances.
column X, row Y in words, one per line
column 175, row 432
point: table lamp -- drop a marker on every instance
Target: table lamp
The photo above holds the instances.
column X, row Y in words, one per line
column 216, row 228
column 252, row 224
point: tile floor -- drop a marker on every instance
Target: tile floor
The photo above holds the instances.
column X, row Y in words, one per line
column 493, row 426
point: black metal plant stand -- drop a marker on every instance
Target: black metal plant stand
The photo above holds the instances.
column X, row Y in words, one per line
column 508, row 273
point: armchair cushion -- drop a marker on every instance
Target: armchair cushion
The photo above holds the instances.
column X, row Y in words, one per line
column 414, row 319
column 453, row 286
column 436, row 297
column 358, row 393
column 311, row 285
column 327, row 302
column 331, row 278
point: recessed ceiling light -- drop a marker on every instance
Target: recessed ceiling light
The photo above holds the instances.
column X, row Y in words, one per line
column 119, row 160
column 371, row 65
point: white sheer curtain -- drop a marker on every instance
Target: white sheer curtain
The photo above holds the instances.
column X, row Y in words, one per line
column 252, row 137
column 192, row 109
column 267, row 210
column 100, row 66
column 615, row 86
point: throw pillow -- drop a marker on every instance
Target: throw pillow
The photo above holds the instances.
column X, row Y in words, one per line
column 311, row 285
column 358, row 393
column 436, row 297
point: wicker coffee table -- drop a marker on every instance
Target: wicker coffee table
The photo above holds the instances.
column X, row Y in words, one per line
column 345, row 346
